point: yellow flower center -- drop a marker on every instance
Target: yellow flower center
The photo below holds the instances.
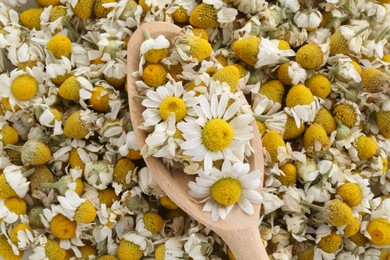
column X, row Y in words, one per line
column 129, row 250
column 24, row 87
column 107, row 196
column 85, row 213
column 9, row 135
column 338, row 213
column 153, row 222
column 156, row 55
column 16, row 205
column 366, row 147
column 290, row 174
column 62, row 227
column 226, row 191
column 160, row 252
column 353, row 228
column 330, row 243
column 217, row 134
column 53, row 250
column 175, row 105
column 379, row 230
column 6, row 251
column 350, row 193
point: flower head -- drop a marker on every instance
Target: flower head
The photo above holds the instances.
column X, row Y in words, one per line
column 204, row 16
column 134, row 246
column 338, row 213
column 379, row 231
column 330, row 243
column 310, row 56
column 59, row 45
column 31, row 18
column 223, row 189
column 375, row 80
column 215, row 135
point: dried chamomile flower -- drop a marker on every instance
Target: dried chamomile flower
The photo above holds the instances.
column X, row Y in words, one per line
column 154, row 75
column 375, row 80
column 310, row 56
column 190, row 47
column 57, row 12
column 346, row 113
column 309, row 19
column 154, row 50
column 7, row 251
column 99, row 174
column 383, row 121
column 13, row 209
column 315, row 135
column 134, row 246
column 69, row 181
column 80, row 124
column 319, row 85
column 260, row 52
column 84, row 8
column 230, row 75
column 22, row 236
column 326, row 120
column 379, row 231
column 31, row 18
column 8, row 135
column 330, row 243
column 101, row 8
column 33, row 152
column 271, row 142
column 366, row 147
column 173, row 247
column 288, row 177
column 59, row 45
column 204, row 16
column 149, row 224
column 124, row 173
column 79, row 209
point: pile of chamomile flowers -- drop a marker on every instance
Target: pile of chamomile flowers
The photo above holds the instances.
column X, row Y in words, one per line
column 315, row 74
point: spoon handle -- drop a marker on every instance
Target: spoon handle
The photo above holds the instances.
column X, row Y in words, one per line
column 245, row 244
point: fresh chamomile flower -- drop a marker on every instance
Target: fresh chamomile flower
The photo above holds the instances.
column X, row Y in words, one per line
column 13, row 182
column 166, row 100
column 99, row 174
column 301, row 104
column 149, row 224
column 22, row 88
column 219, row 132
column 260, row 52
column 222, row 189
column 134, row 246
column 13, row 209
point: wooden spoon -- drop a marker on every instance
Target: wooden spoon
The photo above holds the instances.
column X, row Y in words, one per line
column 239, row 230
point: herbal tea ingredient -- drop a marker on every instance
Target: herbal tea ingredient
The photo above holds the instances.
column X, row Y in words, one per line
column 73, row 184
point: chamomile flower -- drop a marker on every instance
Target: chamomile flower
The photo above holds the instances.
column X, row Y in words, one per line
column 99, row 174
column 233, row 184
column 301, row 104
column 153, row 50
column 149, row 224
column 47, row 249
column 22, row 88
column 14, row 182
column 219, row 132
column 13, row 209
column 166, row 100
column 172, row 247
column 134, row 246
column 260, row 52
column 309, row 19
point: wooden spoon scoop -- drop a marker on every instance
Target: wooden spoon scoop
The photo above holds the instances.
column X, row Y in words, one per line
column 239, row 230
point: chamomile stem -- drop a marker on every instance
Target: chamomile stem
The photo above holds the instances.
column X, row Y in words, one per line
column 138, row 98
column 14, row 147
column 312, row 206
column 28, row 173
column 348, row 94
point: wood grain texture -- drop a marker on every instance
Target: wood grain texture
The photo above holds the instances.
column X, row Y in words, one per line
column 239, row 230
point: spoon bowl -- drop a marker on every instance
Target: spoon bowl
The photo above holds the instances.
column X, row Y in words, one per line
column 239, row 230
